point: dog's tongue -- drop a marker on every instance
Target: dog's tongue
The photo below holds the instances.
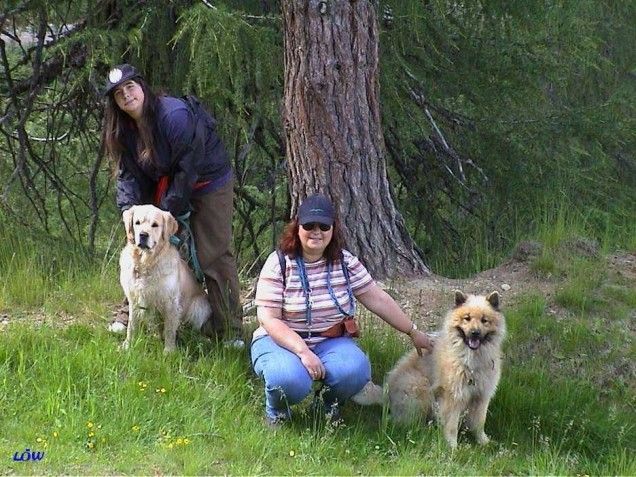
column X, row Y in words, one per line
column 473, row 343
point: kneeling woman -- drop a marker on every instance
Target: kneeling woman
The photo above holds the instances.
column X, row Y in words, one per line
column 305, row 299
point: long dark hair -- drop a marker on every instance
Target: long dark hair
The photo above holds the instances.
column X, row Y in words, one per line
column 117, row 124
column 290, row 242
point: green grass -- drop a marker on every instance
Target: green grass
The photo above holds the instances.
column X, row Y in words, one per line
column 46, row 277
column 93, row 409
column 565, row 405
column 556, row 225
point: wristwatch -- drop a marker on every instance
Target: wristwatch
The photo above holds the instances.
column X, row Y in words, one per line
column 413, row 328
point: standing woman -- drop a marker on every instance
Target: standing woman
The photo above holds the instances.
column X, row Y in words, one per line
column 167, row 154
column 305, row 299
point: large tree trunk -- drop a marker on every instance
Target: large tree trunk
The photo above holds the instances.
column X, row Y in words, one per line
column 332, row 126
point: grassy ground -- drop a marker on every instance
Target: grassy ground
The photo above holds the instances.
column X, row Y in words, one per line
column 93, row 410
column 565, row 404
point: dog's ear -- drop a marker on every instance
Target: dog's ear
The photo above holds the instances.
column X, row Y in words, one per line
column 460, row 298
column 493, row 299
column 127, row 216
column 171, row 226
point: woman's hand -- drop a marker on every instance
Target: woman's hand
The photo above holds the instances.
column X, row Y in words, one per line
column 312, row 363
column 284, row 336
column 421, row 340
column 380, row 302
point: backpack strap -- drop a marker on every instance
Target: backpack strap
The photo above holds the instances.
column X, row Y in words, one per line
column 283, row 267
column 345, row 270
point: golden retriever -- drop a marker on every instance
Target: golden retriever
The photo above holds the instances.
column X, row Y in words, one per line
column 460, row 374
column 154, row 277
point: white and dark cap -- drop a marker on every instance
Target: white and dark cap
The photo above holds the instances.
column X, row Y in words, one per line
column 118, row 75
column 316, row 208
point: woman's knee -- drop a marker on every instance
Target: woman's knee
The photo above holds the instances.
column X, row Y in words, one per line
column 287, row 384
column 347, row 364
column 353, row 373
column 281, row 370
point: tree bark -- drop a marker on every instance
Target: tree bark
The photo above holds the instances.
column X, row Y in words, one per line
column 334, row 140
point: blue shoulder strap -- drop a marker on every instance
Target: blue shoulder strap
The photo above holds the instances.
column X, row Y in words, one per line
column 283, row 266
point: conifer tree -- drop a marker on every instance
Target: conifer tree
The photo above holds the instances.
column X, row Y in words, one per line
column 332, row 125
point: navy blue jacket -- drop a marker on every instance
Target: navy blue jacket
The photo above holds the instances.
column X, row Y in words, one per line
column 188, row 151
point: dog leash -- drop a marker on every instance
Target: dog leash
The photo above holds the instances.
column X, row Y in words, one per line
column 193, row 259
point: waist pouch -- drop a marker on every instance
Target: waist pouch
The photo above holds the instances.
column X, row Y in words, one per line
column 347, row 326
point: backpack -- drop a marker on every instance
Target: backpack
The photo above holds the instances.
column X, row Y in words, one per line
column 201, row 118
column 199, row 111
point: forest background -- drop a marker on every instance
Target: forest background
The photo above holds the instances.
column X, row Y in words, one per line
column 496, row 117
column 502, row 121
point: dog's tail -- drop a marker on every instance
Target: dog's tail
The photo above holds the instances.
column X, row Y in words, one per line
column 199, row 312
column 369, row 395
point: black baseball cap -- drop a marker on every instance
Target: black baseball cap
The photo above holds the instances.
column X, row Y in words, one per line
column 118, row 75
column 316, row 208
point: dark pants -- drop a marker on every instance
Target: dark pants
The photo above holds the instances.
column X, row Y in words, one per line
column 211, row 223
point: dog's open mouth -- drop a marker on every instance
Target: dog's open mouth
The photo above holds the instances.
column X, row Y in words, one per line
column 474, row 343
column 473, row 340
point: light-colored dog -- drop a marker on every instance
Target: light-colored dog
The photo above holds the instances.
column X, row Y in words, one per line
column 154, row 277
column 460, row 374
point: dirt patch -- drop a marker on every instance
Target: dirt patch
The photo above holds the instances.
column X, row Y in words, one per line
column 429, row 298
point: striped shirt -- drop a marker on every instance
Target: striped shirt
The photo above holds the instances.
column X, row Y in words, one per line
column 271, row 293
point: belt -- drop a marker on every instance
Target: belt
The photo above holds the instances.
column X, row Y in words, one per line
column 332, row 332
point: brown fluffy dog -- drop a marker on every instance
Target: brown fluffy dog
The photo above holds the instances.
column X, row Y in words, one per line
column 460, row 374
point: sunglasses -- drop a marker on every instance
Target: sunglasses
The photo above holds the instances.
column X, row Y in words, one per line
column 312, row 225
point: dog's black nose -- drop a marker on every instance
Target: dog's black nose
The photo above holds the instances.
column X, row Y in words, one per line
column 475, row 334
column 143, row 239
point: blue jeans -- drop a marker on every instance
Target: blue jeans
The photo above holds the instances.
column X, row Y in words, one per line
column 287, row 381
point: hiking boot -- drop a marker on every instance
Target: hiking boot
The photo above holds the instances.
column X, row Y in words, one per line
column 120, row 322
column 275, row 422
column 333, row 416
column 234, row 343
